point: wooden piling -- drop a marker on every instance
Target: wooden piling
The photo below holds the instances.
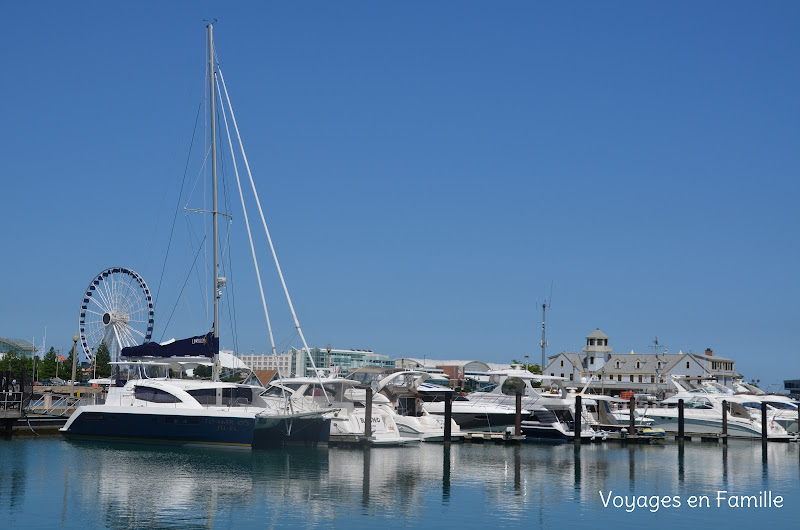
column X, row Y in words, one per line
column 763, row 422
column 632, row 415
column 680, row 420
column 724, row 421
column 368, row 415
column 448, row 415
column 578, row 410
column 518, row 418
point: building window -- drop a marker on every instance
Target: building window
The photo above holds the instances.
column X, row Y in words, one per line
column 631, row 376
column 652, row 379
column 562, row 375
column 640, row 378
column 619, row 377
column 571, row 377
column 562, row 363
column 616, row 364
column 552, row 374
column 591, row 360
column 687, row 365
column 611, row 377
column 659, row 365
column 638, row 364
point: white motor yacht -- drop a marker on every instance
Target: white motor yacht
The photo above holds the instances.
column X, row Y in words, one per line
column 401, row 387
column 551, row 411
column 469, row 415
column 703, row 415
column 349, row 398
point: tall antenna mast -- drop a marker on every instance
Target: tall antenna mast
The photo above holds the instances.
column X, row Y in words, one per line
column 543, row 343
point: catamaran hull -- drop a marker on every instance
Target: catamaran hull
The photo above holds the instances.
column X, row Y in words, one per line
column 271, row 432
column 162, row 427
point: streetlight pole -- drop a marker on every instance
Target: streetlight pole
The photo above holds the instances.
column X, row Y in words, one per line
column 526, row 363
column 74, row 361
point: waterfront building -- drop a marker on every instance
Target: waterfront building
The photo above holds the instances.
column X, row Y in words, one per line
column 646, row 373
column 461, row 373
column 21, row 347
column 296, row 363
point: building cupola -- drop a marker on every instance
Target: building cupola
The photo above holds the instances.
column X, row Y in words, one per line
column 597, row 350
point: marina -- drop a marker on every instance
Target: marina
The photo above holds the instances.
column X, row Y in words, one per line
column 433, row 177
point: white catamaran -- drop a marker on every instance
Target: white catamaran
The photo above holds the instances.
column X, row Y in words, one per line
column 146, row 405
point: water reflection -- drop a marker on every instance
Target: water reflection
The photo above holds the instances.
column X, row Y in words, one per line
column 128, row 486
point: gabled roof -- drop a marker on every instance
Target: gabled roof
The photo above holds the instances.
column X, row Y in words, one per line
column 265, row 376
column 699, row 356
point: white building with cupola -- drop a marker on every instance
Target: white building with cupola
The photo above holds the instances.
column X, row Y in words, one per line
column 613, row 373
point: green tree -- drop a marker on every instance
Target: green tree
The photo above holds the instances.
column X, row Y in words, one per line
column 532, row 368
column 102, row 358
column 10, row 362
column 202, row 372
column 17, row 365
column 47, row 368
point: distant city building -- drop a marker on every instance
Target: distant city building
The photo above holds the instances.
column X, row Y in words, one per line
column 464, row 371
column 612, row 373
column 793, row 387
column 281, row 363
column 296, row 362
column 21, row 347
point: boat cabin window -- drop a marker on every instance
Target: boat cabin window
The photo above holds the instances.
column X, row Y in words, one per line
column 239, row 396
column 154, row 395
column 230, row 397
column 315, row 390
column 204, row 396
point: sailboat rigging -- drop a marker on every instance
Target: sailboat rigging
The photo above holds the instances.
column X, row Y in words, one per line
column 146, row 405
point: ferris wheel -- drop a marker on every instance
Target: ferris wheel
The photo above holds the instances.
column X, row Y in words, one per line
column 117, row 309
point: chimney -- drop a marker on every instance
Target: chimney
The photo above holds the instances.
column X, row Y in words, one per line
column 709, row 352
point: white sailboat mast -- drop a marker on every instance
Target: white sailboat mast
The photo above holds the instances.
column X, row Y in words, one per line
column 215, row 212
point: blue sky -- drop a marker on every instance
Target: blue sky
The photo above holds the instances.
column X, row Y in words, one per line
column 427, row 170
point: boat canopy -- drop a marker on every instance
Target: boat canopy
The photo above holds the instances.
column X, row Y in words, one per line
column 200, row 346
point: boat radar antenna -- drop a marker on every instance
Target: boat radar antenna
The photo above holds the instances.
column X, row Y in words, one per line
column 543, row 342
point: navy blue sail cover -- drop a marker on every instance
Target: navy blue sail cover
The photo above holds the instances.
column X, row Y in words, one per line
column 199, row 346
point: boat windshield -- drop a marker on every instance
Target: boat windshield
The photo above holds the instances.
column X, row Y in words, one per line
column 701, row 403
column 132, row 371
column 782, row 405
column 275, row 391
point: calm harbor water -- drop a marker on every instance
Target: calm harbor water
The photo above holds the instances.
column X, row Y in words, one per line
column 50, row 482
